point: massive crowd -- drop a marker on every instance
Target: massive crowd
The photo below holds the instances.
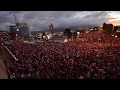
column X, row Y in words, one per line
column 92, row 56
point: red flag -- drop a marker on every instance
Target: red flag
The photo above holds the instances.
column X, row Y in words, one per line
column 51, row 26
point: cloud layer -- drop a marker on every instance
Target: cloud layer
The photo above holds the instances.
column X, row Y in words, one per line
column 40, row 20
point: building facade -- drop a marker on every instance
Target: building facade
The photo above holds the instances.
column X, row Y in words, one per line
column 21, row 29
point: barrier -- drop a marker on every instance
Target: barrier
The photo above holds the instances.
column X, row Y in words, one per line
column 11, row 53
column 9, row 76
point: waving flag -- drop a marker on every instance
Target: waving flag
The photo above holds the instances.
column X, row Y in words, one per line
column 51, row 26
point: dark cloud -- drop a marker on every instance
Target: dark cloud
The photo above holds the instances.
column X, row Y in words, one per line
column 15, row 12
column 97, row 14
column 40, row 20
column 97, row 18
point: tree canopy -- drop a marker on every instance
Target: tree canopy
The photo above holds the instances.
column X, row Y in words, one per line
column 108, row 27
column 68, row 33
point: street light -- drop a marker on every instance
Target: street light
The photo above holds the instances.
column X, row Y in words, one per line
column 17, row 29
column 115, row 35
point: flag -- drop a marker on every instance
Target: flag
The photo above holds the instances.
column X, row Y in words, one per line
column 51, row 26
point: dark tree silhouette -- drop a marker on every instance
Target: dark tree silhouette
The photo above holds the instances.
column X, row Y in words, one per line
column 68, row 33
column 104, row 26
column 108, row 27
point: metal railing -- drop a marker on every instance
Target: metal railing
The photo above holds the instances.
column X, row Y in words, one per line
column 9, row 76
column 11, row 53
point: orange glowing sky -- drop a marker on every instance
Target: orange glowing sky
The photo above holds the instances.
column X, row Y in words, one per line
column 114, row 18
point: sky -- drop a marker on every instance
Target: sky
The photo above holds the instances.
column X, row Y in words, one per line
column 40, row 20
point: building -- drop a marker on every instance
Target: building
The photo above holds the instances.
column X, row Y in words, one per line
column 21, row 29
column 118, row 30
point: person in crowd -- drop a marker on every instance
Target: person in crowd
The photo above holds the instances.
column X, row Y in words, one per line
column 88, row 57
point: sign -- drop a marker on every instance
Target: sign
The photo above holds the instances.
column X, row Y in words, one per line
column 51, row 26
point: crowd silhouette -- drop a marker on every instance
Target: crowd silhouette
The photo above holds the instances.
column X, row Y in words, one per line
column 94, row 55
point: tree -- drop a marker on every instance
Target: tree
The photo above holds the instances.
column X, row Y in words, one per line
column 108, row 27
column 111, row 28
column 68, row 33
column 115, row 28
column 104, row 26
